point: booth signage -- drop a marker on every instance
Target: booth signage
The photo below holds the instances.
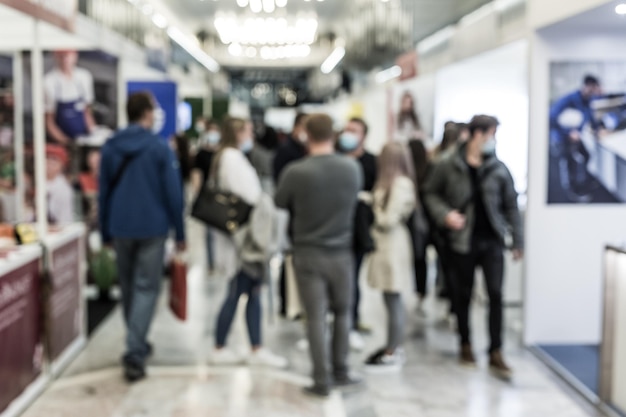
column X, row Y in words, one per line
column 60, row 13
column 64, row 298
column 21, row 349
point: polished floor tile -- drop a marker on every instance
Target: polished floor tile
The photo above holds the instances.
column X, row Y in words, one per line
column 181, row 384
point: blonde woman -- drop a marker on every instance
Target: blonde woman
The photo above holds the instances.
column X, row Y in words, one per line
column 236, row 175
column 391, row 266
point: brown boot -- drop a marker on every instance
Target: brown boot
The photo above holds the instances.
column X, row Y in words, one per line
column 499, row 367
column 467, row 356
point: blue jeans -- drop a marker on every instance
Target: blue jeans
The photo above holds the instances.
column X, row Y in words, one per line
column 241, row 284
column 140, row 269
column 209, row 248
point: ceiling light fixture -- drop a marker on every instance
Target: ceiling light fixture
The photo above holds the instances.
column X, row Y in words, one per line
column 269, row 6
column 242, row 3
column 193, row 49
column 281, row 3
column 388, row 74
column 256, row 6
column 333, row 59
column 265, row 31
column 620, row 9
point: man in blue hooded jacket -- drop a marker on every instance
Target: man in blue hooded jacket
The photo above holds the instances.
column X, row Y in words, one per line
column 141, row 198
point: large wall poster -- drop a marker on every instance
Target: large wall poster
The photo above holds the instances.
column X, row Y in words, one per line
column 587, row 141
column 410, row 108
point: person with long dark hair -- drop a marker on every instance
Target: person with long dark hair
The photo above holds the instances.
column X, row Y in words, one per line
column 407, row 124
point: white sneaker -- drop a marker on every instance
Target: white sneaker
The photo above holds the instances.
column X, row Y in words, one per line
column 356, row 341
column 381, row 362
column 302, row 345
column 265, row 357
column 225, row 357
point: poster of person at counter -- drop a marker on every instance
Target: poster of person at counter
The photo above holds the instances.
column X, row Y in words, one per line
column 587, row 141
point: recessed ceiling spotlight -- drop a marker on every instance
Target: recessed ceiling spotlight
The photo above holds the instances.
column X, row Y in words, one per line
column 281, row 3
column 620, row 9
column 242, row 3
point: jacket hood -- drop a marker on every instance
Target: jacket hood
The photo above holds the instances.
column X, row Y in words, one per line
column 132, row 140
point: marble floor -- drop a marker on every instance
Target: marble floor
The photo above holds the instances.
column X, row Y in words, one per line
column 182, row 384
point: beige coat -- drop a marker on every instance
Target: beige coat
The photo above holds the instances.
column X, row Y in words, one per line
column 391, row 266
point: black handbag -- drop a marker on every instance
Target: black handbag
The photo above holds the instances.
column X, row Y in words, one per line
column 221, row 210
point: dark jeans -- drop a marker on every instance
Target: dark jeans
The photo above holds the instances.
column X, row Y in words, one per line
column 421, row 276
column 356, row 316
column 489, row 256
column 140, row 267
column 325, row 284
column 210, row 248
column 241, row 284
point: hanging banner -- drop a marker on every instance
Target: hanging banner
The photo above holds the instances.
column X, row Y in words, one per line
column 165, row 93
column 61, row 13
column 21, row 348
column 408, row 64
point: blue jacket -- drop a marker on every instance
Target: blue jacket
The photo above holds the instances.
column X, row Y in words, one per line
column 148, row 199
column 575, row 101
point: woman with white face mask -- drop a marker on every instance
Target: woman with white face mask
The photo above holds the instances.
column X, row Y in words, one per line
column 235, row 174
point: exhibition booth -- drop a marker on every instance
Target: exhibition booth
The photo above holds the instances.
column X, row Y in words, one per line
column 573, row 315
column 43, row 262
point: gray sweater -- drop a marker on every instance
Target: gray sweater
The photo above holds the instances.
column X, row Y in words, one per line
column 321, row 192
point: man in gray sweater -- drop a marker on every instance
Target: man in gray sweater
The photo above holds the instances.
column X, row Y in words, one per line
column 321, row 192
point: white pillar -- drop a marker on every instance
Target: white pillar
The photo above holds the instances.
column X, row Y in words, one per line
column 18, row 134
column 39, row 134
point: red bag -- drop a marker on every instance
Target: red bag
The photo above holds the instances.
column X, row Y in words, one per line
column 178, row 289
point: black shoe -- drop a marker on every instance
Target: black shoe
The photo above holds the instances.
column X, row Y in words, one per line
column 317, row 391
column 134, row 372
column 374, row 358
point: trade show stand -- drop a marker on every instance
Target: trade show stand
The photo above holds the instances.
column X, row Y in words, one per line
column 64, row 305
column 613, row 349
column 21, row 341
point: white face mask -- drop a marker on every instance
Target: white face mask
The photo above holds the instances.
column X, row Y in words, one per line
column 489, row 148
column 212, row 138
column 159, row 120
column 247, row 145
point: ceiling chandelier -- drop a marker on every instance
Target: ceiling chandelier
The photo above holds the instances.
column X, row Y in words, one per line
column 258, row 6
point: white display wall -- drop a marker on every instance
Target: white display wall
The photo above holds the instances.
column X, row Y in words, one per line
column 565, row 242
column 494, row 83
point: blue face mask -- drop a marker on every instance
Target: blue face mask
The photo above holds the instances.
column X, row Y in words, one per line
column 489, row 148
column 246, row 146
column 213, row 138
column 348, row 142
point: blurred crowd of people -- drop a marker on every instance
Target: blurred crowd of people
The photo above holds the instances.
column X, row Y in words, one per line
column 352, row 215
column 348, row 210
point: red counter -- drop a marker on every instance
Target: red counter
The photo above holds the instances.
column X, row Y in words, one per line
column 21, row 340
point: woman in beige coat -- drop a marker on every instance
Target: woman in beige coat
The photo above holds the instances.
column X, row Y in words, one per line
column 391, row 265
